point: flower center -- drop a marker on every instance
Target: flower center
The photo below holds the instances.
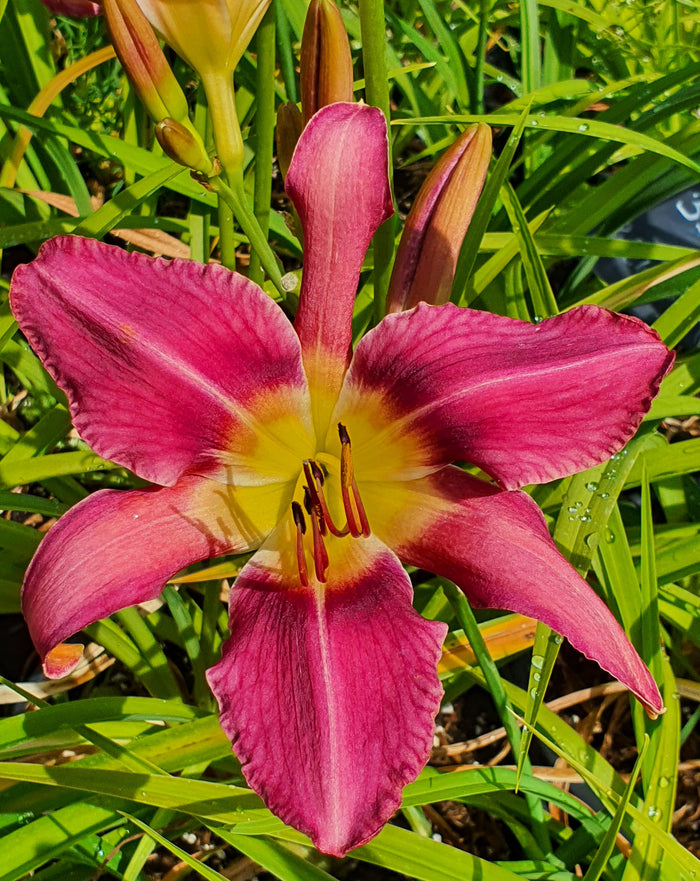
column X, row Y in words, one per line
column 316, row 508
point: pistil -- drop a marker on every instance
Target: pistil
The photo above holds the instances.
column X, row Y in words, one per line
column 314, row 502
column 320, row 552
column 315, row 480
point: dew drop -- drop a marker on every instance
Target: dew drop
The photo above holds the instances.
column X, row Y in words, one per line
column 610, row 537
column 533, row 693
column 583, row 127
column 652, row 812
column 556, row 639
column 537, row 662
column 591, row 486
column 536, row 676
column 571, row 509
column 663, row 782
column 585, row 518
column 604, row 495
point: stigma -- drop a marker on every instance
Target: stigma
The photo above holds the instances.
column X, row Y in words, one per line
column 316, row 508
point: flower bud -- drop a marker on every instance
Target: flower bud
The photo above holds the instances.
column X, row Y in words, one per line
column 435, row 228
column 210, row 35
column 326, row 63
column 183, row 145
column 76, row 8
column 139, row 51
column 289, row 128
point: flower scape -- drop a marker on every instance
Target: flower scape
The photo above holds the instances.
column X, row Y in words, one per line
column 336, row 467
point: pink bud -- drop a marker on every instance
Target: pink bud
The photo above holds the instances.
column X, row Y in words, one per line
column 76, row 8
column 139, row 51
column 438, row 221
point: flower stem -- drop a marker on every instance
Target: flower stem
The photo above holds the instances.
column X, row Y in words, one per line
column 235, row 198
column 227, row 243
column 467, row 620
column 480, row 57
column 373, row 32
column 221, row 99
column 264, row 130
column 229, row 186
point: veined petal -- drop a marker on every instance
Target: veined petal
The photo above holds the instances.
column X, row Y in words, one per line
column 527, row 403
column 339, row 182
column 116, row 549
column 329, row 693
column 168, row 365
column 496, row 547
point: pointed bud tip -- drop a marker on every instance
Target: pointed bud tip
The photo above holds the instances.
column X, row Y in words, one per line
column 438, row 222
column 326, row 61
column 183, row 146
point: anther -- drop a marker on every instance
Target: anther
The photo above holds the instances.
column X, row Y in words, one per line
column 357, row 517
column 300, row 523
column 317, row 473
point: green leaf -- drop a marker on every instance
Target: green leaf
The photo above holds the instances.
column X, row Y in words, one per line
column 680, row 317
column 587, row 128
column 274, row 856
column 607, row 845
column 484, row 209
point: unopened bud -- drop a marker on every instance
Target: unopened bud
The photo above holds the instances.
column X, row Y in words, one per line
column 75, row 8
column 289, row 127
column 183, row 146
column 139, row 51
column 326, row 62
column 435, row 228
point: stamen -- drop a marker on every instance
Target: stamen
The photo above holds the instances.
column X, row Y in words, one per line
column 311, row 492
column 315, row 479
column 317, row 531
column 357, row 518
column 362, row 514
column 320, row 553
column 300, row 523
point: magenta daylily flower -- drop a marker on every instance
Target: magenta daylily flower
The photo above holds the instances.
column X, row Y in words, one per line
column 335, row 466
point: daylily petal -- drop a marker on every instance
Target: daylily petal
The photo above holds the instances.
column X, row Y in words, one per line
column 496, row 547
column 328, row 693
column 210, row 34
column 527, row 403
column 339, row 182
column 167, row 364
column 115, row 549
